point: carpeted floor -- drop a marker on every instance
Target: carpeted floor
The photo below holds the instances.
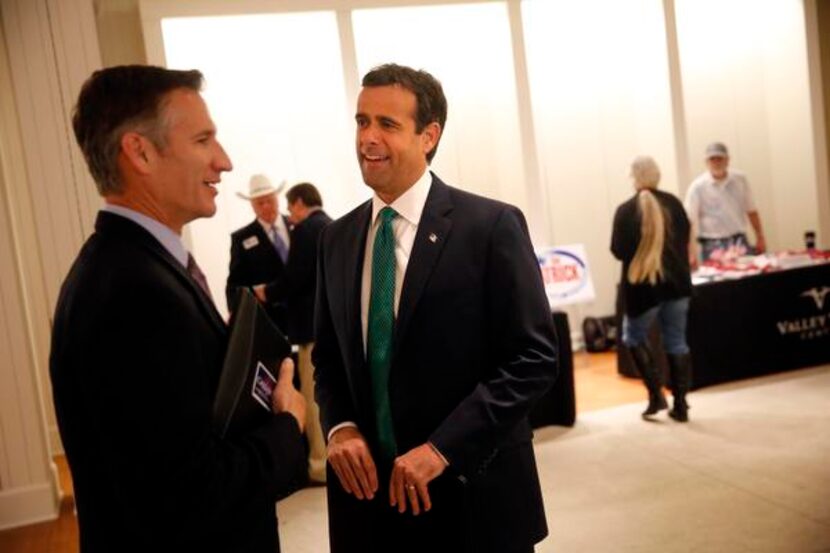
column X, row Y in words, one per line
column 749, row 473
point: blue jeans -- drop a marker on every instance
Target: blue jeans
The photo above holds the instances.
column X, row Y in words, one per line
column 709, row 245
column 672, row 316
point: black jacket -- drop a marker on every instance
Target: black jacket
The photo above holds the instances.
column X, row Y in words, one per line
column 254, row 260
column 676, row 283
column 299, row 282
column 474, row 348
column 137, row 350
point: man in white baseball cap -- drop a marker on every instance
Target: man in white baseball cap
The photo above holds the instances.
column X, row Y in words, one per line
column 719, row 202
column 259, row 250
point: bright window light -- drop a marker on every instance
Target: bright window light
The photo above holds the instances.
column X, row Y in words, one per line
column 599, row 84
column 481, row 148
column 274, row 85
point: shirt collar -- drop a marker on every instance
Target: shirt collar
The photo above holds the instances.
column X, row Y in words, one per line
column 171, row 241
column 410, row 204
column 267, row 226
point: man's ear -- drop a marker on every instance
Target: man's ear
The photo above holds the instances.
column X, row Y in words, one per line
column 135, row 149
column 430, row 136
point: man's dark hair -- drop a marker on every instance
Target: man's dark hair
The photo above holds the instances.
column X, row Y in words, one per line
column 430, row 102
column 306, row 192
column 119, row 99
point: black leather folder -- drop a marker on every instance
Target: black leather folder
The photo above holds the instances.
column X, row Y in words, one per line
column 254, row 339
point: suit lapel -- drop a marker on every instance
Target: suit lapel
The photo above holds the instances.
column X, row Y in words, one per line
column 110, row 223
column 433, row 231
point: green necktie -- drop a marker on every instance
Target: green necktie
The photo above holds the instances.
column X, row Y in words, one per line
column 381, row 327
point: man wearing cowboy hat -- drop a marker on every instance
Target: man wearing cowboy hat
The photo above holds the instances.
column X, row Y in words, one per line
column 259, row 251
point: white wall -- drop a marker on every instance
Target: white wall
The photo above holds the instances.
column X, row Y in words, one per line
column 47, row 203
column 745, row 77
column 600, row 90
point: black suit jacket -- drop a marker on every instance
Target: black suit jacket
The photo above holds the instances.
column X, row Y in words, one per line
column 254, row 260
column 299, row 285
column 137, row 349
column 474, row 347
column 676, row 281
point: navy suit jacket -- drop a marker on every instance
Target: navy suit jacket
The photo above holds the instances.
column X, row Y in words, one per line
column 474, row 348
column 137, row 350
column 254, row 260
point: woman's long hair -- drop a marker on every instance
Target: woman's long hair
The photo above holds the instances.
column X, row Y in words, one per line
column 647, row 264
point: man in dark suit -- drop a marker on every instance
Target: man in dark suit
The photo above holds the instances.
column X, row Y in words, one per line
column 138, row 346
column 305, row 206
column 259, row 252
column 433, row 340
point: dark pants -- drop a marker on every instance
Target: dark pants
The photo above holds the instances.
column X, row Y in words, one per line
column 374, row 527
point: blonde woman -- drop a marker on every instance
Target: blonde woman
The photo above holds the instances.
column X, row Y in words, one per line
column 651, row 238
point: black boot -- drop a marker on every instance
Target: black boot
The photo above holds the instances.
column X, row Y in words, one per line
column 644, row 362
column 680, row 367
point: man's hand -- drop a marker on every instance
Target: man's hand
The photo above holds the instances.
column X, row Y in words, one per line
column 410, row 475
column 285, row 397
column 760, row 245
column 755, row 221
column 349, row 456
column 259, row 292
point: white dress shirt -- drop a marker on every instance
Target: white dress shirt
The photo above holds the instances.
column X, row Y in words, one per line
column 409, row 207
column 171, row 241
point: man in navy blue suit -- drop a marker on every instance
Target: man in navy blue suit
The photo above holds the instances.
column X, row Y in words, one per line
column 433, row 341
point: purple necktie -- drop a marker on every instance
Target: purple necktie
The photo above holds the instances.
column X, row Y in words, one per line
column 198, row 275
column 279, row 243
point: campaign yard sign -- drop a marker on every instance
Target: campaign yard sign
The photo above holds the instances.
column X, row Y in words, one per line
column 566, row 274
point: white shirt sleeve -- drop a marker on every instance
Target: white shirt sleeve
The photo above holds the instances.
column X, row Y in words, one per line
column 692, row 205
column 335, row 428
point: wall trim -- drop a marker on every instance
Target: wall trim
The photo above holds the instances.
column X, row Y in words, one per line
column 28, row 505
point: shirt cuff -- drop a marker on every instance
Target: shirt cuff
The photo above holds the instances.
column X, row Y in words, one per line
column 346, row 424
column 441, row 455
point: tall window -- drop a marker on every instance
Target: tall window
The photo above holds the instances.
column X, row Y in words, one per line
column 599, row 85
column 481, row 147
column 281, row 112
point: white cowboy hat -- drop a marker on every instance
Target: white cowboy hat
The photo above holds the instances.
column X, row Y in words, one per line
column 259, row 185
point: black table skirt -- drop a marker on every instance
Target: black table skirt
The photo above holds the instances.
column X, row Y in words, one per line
column 755, row 326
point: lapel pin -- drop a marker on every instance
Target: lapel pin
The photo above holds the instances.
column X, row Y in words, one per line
column 433, row 238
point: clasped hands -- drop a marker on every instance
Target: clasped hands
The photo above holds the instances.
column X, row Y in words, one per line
column 349, row 456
